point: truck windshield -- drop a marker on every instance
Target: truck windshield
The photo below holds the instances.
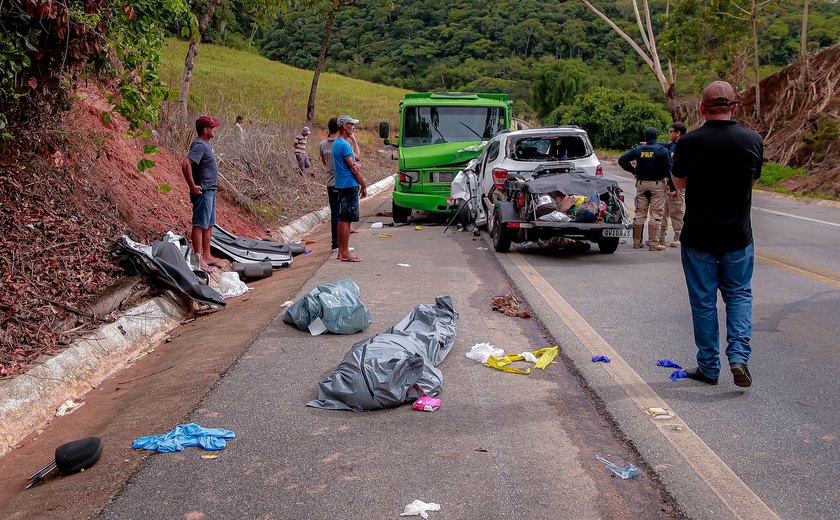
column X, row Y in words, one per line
column 436, row 125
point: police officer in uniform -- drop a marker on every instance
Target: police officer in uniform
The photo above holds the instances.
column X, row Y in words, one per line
column 652, row 169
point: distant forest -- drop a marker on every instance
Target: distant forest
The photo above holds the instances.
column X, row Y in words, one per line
column 502, row 46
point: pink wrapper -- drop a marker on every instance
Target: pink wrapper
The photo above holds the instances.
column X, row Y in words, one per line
column 427, row 404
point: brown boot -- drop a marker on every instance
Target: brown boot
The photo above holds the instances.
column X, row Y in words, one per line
column 637, row 235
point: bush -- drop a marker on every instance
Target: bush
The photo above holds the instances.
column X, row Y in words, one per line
column 774, row 173
column 613, row 119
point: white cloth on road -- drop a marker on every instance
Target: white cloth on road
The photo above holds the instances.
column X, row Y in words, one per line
column 419, row 507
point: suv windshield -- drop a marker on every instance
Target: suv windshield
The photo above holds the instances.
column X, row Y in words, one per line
column 549, row 148
column 436, row 125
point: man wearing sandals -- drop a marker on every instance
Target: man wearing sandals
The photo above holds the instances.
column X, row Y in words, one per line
column 201, row 171
column 349, row 183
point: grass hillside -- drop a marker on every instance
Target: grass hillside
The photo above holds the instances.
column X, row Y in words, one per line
column 227, row 82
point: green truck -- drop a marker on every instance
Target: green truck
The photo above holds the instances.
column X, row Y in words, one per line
column 440, row 132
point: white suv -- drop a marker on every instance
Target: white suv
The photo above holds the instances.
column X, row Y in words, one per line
column 523, row 152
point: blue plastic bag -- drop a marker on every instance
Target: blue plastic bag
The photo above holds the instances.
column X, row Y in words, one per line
column 667, row 363
column 603, row 359
column 184, row 436
column 678, row 374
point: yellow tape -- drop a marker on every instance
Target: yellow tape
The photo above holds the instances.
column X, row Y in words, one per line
column 545, row 357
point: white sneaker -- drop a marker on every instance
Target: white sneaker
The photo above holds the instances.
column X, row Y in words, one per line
column 350, row 248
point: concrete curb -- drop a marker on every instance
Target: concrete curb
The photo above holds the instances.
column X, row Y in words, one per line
column 29, row 401
column 302, row 225
column 807, row 200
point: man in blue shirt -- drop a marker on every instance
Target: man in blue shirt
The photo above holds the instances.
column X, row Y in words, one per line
column 201, row 172
column 349, row 183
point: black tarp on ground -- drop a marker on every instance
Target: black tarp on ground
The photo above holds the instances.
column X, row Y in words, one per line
column 396, row 366
column 165, row 266
column 241, row 249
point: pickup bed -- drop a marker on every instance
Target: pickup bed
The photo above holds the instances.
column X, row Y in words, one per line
column 557, row 203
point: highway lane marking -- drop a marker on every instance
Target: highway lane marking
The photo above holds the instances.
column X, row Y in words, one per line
column 811, row 271
column 733, row 492
column 798, row 216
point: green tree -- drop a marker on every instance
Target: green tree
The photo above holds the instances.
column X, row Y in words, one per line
column 613, row 119
column 557, row 84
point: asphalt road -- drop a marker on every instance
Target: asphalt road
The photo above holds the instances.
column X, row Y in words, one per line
column 501, row 446
column 781, row 435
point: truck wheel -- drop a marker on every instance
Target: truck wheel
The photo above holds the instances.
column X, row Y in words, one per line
column 399, row 213
column 608, row 245
column 500, row 234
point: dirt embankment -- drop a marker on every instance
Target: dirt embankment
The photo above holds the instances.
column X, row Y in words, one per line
column 64, row 198
column 800, row 125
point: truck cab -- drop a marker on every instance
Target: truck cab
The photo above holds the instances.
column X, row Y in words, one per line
column 440, row 132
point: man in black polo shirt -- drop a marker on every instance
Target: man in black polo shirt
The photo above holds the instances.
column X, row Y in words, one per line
column 718, row 165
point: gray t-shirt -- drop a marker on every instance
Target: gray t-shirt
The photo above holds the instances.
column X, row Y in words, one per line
column 326, row 152
column 205, row 170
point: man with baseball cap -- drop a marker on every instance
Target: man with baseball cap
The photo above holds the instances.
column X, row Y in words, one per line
column 651, row 170
column 300, row 149
column 201, row 172
column 349, row 183
column 718, row 164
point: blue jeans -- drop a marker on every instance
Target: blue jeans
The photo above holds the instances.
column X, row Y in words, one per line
column 731, row 273
column 204, row 209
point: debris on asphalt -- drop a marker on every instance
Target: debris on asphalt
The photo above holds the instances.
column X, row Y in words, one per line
column 396, row 366
column 209, row 456
column 667, row 363
column 68, row 406
column 602, row 359
column 529, row 357
column 184, row 436
column 481, row 351
column 482, row 450
column 71, row 457
column 427, row 404
column 336, row 304
column 404, row 265
column 626, row 472
column 420, row 508
column 376, row 225
column 545, row 357
column 230, row 286
column 287, row 303
column 385, row 235
column 678, row 374
column 659, row 413
column 509, row 305
column 418, row 228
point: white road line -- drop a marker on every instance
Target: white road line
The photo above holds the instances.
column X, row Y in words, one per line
column 798, row 216
column 733, row 492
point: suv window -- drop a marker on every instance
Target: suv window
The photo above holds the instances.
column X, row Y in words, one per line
column 493, row 151
column 549, row 148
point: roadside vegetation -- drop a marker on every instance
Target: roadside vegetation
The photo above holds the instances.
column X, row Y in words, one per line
column 229, row 82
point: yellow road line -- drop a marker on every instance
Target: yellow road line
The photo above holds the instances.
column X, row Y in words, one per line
column 811, row 271
column 733, row 492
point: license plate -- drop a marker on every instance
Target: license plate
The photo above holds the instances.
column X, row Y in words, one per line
column 624, row 232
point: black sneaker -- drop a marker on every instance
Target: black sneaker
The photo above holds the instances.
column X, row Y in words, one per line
column 696, row 375
column 741, row 374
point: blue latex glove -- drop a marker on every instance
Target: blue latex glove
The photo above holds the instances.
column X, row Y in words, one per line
column 667, row 363
column 184, row 436
column 603, row 359
column 678, row 374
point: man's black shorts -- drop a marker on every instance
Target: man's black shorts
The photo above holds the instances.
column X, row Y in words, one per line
column 348, row 204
